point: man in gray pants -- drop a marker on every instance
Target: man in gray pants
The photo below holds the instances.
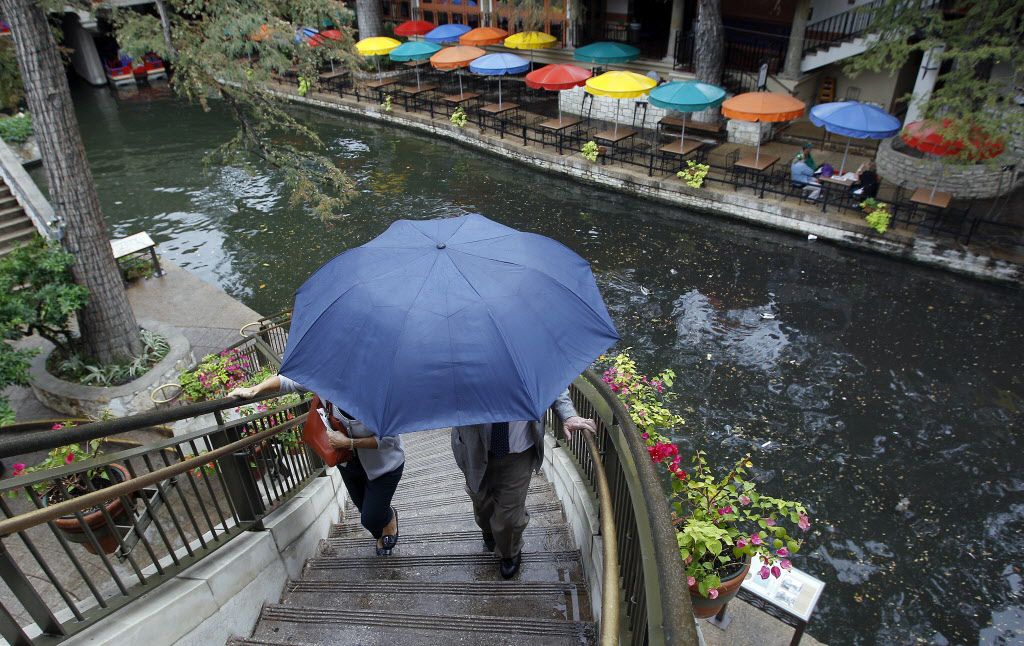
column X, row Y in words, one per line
column 498, row 461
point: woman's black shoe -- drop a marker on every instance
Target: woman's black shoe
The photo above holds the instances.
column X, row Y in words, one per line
column 509, row 567
column 389, row 542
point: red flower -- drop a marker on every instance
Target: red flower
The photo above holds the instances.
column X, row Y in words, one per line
column 18, row 469
column 69, row 458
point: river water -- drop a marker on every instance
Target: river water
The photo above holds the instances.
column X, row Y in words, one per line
column 884, row 395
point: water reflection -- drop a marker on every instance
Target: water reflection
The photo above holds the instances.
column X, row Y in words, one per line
column 886, row 396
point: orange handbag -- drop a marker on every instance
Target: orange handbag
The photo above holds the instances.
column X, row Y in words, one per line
column 314, row 433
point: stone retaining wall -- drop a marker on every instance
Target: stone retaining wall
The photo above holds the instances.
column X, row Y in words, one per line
column 975, row 181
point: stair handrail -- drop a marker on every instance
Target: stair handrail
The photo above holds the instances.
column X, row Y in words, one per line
column 842, row 26
column 610, row 611
column 30, row 198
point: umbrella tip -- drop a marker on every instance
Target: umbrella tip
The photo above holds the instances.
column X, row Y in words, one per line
column 441, row 245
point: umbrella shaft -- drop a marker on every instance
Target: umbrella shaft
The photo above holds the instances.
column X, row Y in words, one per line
column 842, row 166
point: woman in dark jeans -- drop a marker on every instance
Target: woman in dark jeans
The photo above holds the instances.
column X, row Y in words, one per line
column 371, row 476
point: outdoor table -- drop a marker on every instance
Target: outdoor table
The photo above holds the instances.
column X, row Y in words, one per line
column 333, row 80
column 459, row 99
column 613, row 137
column 383, row 83
column 496, row 109
column 558, row 128
column 925, row 197
column 412, row 92
column 682, row 148
column 756, row 165
column 138, row 243
column 829, row 184
column 495, row 112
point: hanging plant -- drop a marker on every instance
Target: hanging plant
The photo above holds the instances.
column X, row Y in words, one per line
column 590, row 151
column 459, row 117
column 386, row 105
column 878, row 215
column 303, row 86
column 694, row 174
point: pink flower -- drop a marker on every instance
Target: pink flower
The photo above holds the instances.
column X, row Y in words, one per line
column 18, row 469
column 713, row 593
column 765, row 572
column 691, row 581
column 646, row 436
column 756, row 540
column 786, row 565
column 782, row 552
column 770, row 522
column 804, row 522
column 680, row 474
column 57, row 427
column 744, row 500
column 741, row 543
column 69, row 458
column 776, row 572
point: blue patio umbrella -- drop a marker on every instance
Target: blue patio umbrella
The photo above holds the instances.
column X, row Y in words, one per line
column 446, row 34
column 414, row 50
column 854, row 119
column 686, row 96
column 606, row 53
column 447, row 322
column 499, row 65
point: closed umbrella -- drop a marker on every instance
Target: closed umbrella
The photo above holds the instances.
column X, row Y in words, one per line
column 770, row 107
column 483, row 36
column 686, row 96
column 414, row 50
column 446, row 33
column 455, row 58
column 856, row 120
column 448, row 322
column 556, row 78
column 499, row 65
column 414, row 28
column 930, row 137
column 606, row 53
column 620, row 85
column 376, row 46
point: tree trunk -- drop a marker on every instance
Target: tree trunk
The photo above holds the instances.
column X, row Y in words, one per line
column 797, row 32
column 107, row 323
column 369, row 18
column 709, row 49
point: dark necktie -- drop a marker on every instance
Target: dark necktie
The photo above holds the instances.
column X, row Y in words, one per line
column 499, row 439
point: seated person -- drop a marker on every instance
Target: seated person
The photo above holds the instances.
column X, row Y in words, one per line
column 802, row 175
column 805, row 150
column 867, row 181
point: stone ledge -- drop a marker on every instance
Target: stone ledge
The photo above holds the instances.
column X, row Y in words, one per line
column 131, row 398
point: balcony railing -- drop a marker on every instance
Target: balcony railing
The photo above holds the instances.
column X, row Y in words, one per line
column 841, row 27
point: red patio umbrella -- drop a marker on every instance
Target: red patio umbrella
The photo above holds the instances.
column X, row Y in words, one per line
column 414, row 28
column 557, row 78
column 929, row 137
column 328, row 34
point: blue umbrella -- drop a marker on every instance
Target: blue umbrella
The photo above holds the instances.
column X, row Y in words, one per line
column 303, row 34
column 606, row 53
column 854, row 119
column 414, row 50
column 447, row 322
column 446, row 33
column 686, row 96
column 499, row 65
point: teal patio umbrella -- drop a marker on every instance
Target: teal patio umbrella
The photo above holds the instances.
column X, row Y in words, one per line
column 606, row 53
column 414, row 50
column 686, row 96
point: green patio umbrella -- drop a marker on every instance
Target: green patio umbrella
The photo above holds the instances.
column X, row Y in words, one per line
column 414, row 50
column 606, row 53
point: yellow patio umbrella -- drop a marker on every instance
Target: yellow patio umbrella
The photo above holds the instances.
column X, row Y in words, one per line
column 376, row 46
column 620, row 85
column 531, row 40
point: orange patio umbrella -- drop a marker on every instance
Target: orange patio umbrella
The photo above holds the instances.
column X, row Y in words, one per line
column 482, row 36
column 454, row 58
column 762, row 106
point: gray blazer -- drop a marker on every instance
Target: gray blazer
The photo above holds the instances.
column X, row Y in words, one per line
column 471, row 444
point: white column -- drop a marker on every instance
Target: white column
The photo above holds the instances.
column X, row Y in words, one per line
column 927, row 74
column 678, row 7
column 569, row 28
column 415, row 9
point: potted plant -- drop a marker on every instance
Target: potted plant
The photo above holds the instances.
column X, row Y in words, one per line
column 459, row 117
column 590, row 151
column 72, row 484
column 385, row 107
column 694, row 173
column 877, row 214
column 721, row 521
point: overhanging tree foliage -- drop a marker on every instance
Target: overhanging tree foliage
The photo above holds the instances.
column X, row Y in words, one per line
column 982, row 60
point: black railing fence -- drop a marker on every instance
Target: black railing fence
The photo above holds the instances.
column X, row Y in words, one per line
column 842, row 27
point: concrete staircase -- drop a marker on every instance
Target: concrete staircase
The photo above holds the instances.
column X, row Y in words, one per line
column 15, row 225
column 440, row 585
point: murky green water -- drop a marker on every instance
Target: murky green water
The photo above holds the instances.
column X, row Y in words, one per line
column 886, row 396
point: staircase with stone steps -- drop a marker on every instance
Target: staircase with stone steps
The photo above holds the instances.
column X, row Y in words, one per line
column 15, row 225
column 440, row 585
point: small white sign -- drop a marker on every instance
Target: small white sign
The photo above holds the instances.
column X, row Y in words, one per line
column 795, row 591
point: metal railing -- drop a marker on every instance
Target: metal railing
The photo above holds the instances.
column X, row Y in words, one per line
column 146, row 513
column 841, row 27
column 650, row 577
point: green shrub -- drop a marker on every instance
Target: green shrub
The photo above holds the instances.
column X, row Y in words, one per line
column 16, row 129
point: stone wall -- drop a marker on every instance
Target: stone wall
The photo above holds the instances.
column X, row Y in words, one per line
column 975, row 181
column 604, row 108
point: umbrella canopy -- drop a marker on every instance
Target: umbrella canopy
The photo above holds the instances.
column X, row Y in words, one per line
column 451, row 58
column 557, row 77
column 687, row 96
column 376, row 46
column 855, row 119
column 414, row 50
column 482, row 36
column 324, row 36
column 304, row 34
column 928, row 137
column 447, row 33
column 261, row 34
column 414, row 28
column 531, row 40
column 499, row 65
column 620, row 85
column 447, row 322
column 606, row 53
column 762, row 106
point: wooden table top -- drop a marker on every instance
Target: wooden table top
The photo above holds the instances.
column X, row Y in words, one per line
column 376, row 85
column 613, row 137
column 461, row 98
column 681, row 147
column 759, row 164
column 326, row 76
column 495, row 108
column 413, row 90
column 556, row 125
column 132, row 244
column 845, row 183
column 924, row 196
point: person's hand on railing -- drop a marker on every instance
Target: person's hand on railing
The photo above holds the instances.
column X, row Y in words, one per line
column 574, row 424
column 243, row 393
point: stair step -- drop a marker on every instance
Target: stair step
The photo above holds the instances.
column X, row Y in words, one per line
column 452, row 487
column 541, row 515
column 292, row 625
column 469, row 541
column 12, row 238
column 7, row 201
column 17, row 224
column 459, row 501
column 563, row 601
column 537, row 567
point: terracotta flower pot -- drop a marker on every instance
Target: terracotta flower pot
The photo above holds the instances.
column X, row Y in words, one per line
column 105, row 535
column 704, row 607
